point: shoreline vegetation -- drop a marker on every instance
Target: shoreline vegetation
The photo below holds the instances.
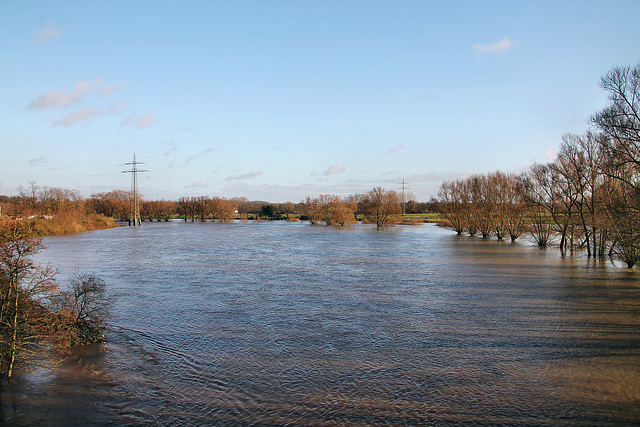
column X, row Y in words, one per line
column 40, row 320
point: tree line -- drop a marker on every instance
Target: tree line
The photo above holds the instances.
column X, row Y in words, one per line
column 588, row 197
column 379, row 206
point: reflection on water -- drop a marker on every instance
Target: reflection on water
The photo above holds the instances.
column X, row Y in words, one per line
column 283, row 323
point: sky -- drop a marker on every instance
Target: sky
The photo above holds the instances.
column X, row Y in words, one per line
column 279, row 100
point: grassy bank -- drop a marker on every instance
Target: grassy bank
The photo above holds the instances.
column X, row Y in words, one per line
column 59, row 224
column 423, row 217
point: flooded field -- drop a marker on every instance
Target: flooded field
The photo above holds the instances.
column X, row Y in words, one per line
column 291, row 324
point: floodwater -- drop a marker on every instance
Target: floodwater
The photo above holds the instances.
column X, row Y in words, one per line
column 281, row 323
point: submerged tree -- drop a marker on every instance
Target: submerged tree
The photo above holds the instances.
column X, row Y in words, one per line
column 620, row 121
column 381, row 206
column 89, row 308
column 36, row 317
column 223, row 210
column 25, row 288
column 451, row 205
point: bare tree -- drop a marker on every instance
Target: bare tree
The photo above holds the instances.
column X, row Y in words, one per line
column 620, row 121
column 223, row 210
column 451, row 205
column 625, row 221
column 540, row 192
column 336, row 210
column 24, row 288
column 508, row 208
column 112, row 204
column 312, row 209
column 89, row 308
column 382, row 206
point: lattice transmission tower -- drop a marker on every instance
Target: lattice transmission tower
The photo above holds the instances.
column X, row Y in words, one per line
column 404, row 196
column 135, row 199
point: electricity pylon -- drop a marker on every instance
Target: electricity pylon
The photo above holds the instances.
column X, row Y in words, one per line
column 404, row 196
column 134, row 190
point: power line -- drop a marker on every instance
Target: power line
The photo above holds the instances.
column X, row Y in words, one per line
column 134, row 188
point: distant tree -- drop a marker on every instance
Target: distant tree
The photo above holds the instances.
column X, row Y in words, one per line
column 223, row 209
column 541, row 195
column 57, row 201
column 182, row 208
column 452, row 205
column 546, row 186
column 334, row 209
column 346, row 211
column 311, row 209
column 482, row 204
column 513, row 207
column 506, row 218
column 113, row 204
column 188, row 208
column 202, row 206
column 382, row 206
column 158, row 209
column 268, row 211
column 287, row 208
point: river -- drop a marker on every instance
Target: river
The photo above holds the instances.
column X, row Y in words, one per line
column 279, row 323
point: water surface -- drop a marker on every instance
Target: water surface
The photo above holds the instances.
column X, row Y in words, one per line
column 286, row 323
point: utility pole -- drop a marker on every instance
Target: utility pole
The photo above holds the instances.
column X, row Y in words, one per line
column 134, row 189
column 404, row 197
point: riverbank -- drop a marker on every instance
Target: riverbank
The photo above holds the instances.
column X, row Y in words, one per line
column 59, row 225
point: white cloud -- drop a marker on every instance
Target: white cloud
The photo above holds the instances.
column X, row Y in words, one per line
column 62, row 99
column 81, row 115
column 501, row 47
column 199, row 184
column 138, row 121
column 397, row 148
column 249, row 175
column 46, row 34
column 334, row 169
column 550, row 154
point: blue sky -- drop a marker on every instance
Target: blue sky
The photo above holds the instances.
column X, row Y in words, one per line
column 277, row 100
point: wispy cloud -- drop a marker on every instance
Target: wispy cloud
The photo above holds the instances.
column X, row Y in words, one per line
column 37, row 160
column 199, row 184
column 172, row 148
column 190, row 159
column 82, row 115
column 249, row 175
column 500, row 48
column 46, row 33
column 139, row 121
column 397, row 148
column 334, row 169
column 63, row 99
